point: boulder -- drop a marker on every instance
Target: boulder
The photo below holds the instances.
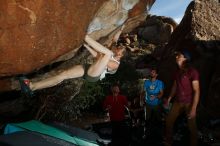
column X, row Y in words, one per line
column 199, row 33
column 39, row 38
column 35, row 34
column 157, row 29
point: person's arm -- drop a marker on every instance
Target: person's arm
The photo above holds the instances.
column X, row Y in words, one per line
column 160, row 94
column 172, row 92
column 116, row 36
column 161, row 87
column 196, row 90
column 132, row 49
column 112, row 65
column 93, row 52
column 97, row 46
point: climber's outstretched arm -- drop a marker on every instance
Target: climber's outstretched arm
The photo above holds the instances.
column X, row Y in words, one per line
column 97, row 46
column 92, row 51
column 117, row 35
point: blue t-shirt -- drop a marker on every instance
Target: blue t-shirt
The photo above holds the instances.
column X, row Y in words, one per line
column 153, row 88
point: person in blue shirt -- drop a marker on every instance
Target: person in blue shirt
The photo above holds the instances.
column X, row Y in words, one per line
column 153, row 93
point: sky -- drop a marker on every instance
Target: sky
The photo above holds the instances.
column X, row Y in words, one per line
column 171, row 8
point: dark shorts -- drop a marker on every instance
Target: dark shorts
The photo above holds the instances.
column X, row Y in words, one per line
column 88, row 77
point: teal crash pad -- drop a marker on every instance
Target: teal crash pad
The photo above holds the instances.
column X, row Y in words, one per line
column 39, row 127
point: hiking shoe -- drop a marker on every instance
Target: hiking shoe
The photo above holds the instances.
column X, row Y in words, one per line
column 25, row 86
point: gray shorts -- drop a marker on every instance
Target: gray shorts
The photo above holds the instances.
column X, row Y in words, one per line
column 88, row 77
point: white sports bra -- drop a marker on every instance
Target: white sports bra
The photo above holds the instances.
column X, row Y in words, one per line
column 115, row 59
column 106, row 71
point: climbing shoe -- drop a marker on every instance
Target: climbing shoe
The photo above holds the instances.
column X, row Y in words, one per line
column 25, row 86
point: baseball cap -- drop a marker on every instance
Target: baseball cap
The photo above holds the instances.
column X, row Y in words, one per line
column 185, row 53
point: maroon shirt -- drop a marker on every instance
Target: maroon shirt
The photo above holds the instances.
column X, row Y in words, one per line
column 184, row 90
column 117, row 104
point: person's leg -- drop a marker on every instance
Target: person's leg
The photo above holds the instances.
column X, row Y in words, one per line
column 170, row 120
column 157, row 114
column 74, row 72
column 115, row 133
column 148, row 112
column 148, row 121
column 192, row 128
column 122, row 134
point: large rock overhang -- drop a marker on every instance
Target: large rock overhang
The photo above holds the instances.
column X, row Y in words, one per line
column 34, row 33
column 37, row 33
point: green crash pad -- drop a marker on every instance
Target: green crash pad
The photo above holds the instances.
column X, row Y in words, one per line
column 39, row 127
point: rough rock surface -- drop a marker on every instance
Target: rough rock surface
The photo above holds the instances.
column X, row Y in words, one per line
column 157, row 29
column 199, row 33
column 34, row 34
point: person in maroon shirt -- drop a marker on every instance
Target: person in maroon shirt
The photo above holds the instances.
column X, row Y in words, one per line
column 187, row 91
column 115, row 104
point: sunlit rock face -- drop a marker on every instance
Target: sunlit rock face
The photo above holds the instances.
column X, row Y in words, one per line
column 114, row 13
column 199, row 33
column 37, row 33
column 34, row 34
